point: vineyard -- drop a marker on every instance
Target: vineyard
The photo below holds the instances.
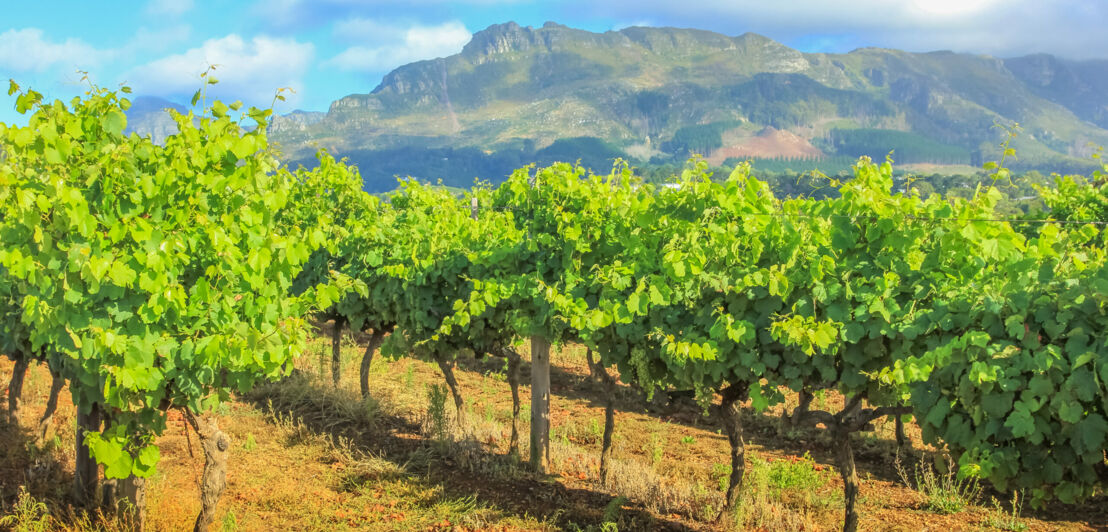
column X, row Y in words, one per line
column 161, row 283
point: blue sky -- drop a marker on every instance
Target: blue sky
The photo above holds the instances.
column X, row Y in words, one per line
column 326, row 49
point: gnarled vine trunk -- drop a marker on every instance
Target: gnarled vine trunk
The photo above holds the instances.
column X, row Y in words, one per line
column 216, row 446
column 375, row 341
column 606, row 443
column 730, row 404
column 844, row 459
column 336, row 351
column 902, row 440
column 447, row 368
column 851, row 419
column 15, row 389
column 609, row 385
column 805, row 402
column 47, row 419
column 514, row 361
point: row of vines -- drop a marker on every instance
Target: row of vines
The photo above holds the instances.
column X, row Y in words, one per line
column 164, row 278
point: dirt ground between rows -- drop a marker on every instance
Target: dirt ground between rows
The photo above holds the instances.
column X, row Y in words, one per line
column 309, row 457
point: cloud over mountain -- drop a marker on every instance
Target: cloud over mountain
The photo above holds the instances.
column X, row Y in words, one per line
column 248, row 69
column 383, row 46
column 1002, row 28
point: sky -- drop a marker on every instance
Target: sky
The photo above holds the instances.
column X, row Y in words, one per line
column 326, row 49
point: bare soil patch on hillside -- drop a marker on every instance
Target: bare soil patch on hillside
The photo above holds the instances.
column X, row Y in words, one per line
column 768, row 143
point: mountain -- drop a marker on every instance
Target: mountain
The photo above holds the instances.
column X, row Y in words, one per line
column 1080, row 86
column 147, row 116
column 295, row 121
column 516, row 95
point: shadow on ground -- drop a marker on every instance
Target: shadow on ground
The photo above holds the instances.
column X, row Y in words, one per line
column 492, row 478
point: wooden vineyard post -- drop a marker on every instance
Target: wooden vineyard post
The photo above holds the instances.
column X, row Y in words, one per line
column 86, row 474
column 540, row 403
column 540, row 393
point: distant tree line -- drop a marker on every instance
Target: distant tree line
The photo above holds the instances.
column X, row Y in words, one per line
column 459, row 167
column 702, row 139
column 906, row 148
column 795, row 177
column 793, row 165
column 789, row 176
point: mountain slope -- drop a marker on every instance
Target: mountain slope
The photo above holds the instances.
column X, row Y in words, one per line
column 663, row 93
column 147, row 116
column 1080, row 86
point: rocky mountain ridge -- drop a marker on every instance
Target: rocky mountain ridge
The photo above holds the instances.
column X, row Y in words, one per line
column 662, row 93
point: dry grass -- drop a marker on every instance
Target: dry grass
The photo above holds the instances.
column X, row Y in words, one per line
column 287, row 472
column 309, row 456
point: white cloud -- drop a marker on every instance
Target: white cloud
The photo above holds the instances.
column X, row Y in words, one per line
column 799, row 14
column 368, row 30
column 384, row 46
column 168, row 7
column 28, row 50
column 295, row 15
column 247, row 70
column 1003, row 28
